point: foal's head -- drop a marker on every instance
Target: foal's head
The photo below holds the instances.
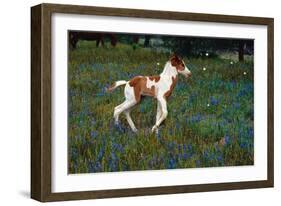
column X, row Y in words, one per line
column 179, row 64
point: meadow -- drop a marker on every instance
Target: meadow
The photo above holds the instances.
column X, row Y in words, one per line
column 210, row 120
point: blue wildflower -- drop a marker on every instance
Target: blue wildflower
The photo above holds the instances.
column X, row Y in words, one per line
column 98, row 166
column 198, row 163
column 172, row 163
column 227, row 139
column 117, row 147
column 220, row 158
column 196, row 118
column 177, row 125
column 158, row 135
column 179, row 148
column 171, row 146
column 94, row 134
column 184, row 152
column 120, row 128
column 206, row 154
column 251, row 132
column 189, row 147
column 214, row 101
column 236, row 105
column 170, row 131
column 243, row 145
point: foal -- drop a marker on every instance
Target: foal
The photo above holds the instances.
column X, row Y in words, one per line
column 159, row 87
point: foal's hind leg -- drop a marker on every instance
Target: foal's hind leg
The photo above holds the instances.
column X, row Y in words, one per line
column 126, row 106
column 116, row 112
column 121, row 108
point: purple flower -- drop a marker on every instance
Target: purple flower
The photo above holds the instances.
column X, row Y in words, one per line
column 214, row 101
column 172, row 163
column 94, row 134
column 227, row 139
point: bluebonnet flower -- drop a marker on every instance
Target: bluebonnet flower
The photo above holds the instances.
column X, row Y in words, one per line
column 246, row 90
column 189, row 147
column 243, row 145
column 142, row 108
column 198, row 163
column 251, row 132
column 94, row 134
column 233, row 83
column 125, row 167
column 214, row 101
column 171, row 146
column 113, row 162
column 220, row 158
column 184, row 152
column 177, row 125
column 81, row 67
column 74, row 153
column 91, row 167
column 117, row 147
column 236, row 105
column 196, row 118
column 101, row 153
column 98, row 166
column 113, row 156
column 206, row 154
column 170, row 131
column 227, row 139
column 158, row 135
column 93, row 121
column 172, row 163
column 120, row 128
column 94, row 167
column 216, row 147
column 102, row 92
column 75, row 165
column 179, row 148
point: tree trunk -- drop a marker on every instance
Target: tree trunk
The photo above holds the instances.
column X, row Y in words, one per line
column 241, row 51
column 146, row 40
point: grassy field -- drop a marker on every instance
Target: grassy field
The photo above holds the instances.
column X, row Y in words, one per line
column 210, row 120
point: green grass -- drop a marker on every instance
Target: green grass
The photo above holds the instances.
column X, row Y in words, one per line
column 210, row 120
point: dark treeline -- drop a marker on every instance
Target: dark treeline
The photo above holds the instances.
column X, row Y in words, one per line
column 194, row 46
column 182, row 45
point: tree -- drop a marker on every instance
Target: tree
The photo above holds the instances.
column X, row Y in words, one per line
column 195, row 46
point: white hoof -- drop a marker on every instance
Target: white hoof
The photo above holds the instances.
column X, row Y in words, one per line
column 154, row 128
column 135, row 130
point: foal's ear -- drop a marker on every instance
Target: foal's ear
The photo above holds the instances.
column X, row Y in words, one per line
column 174, row 55
column 175, row 59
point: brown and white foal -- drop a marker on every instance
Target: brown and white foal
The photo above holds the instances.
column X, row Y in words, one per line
column 159, row 87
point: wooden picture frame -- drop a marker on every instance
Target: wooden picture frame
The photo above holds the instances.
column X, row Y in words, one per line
column 41, row 101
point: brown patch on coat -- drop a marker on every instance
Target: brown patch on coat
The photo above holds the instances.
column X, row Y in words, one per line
column 155, row 78
column 139, row 84
column 177, row 62
column 169, row 92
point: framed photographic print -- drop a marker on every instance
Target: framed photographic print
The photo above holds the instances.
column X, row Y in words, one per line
column 130, row 102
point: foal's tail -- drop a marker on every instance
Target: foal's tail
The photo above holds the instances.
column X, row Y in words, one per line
column 116, row 84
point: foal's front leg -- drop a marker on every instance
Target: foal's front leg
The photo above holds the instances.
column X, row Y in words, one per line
column 129, row 120
column 164, row 113
column 158, row 115
column 159, row 112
